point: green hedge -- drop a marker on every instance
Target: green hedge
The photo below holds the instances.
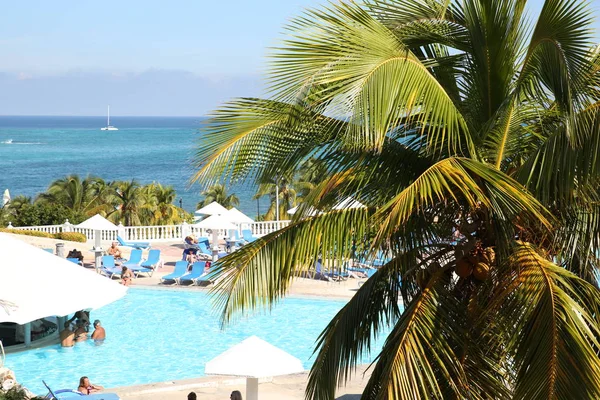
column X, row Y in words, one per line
column 71, row 236
column 28, row 233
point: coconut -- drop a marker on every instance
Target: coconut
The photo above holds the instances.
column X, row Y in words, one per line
column 489, row 256
column 481, row 271
column 463, row 268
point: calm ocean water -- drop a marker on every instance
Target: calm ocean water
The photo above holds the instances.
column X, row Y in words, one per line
column 34, row 151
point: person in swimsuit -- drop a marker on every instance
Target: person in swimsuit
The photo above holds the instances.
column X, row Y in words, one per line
column 114, row 251
column 99, row 332
column 67, row 336
column 80, row 333
column 86, row 387
column 126, row 276
column 236, row 395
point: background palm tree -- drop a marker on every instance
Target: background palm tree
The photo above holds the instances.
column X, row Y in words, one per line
column 472, row 138
column 164, row 211
column 85, row 197
column 129, row 202
column 287, row 198
column 218, row 193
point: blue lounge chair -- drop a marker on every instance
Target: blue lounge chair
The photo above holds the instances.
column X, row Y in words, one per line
column 52, row 395
column 74, row 260
column 208, row 278
column 180, row 270
column 109, row 268
column 206, row 251
column 135, row 259
column 135, row 245
column 247, row 235
column 153, row 259
column 197, row 272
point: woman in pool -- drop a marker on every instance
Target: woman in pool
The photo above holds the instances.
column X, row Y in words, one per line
column 236, row 395
column 126, row 276
column 86, row 387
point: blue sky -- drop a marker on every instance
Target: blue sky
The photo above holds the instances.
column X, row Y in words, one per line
column 143, row 57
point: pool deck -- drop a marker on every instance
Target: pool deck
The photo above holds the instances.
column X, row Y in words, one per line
column 289, row 387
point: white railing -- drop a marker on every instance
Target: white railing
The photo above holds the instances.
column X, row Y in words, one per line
column 157, row 233
column 265, row 227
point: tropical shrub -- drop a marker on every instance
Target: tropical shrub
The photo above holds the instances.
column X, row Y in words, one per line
column 71, row 236
column 27, row 232
column 472, row 138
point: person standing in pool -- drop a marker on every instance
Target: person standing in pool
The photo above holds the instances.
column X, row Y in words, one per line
column 99, row 332
column 236, row 395
column 81, row 333
column 86, row 387
column 67, row 336
column 191, row 396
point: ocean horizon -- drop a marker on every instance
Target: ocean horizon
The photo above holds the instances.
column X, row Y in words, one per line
column 36, row 150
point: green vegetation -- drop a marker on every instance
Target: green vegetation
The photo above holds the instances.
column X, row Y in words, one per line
column 470, row 132
column 71, row 236
column 77, row 199
column 218, row 193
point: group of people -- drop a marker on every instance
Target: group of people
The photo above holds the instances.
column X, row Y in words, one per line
column 235, row 395
column 126, row 273
column 78, row 331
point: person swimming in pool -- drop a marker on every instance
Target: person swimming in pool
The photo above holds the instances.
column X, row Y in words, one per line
column 81, row 333
column 99, row 332
column 86, row 387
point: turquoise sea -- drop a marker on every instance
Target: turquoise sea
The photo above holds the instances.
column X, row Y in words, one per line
column 34, row 151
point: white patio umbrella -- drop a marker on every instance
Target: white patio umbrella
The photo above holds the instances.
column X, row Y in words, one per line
column 212, row 209
column 5, row 198
column 98, row 223
column 35, row 284
column 253, row 358
column 216, row 222
column 238, row 217
column 349, row 202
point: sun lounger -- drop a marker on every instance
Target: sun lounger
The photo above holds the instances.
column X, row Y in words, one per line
column 74, row 260
column 206, row 251
column 52, row 395
column 135, row 245
column 153, row 259
column 247, row 235
column 135, row 259
column 179, row 271
column 109, row 268
column 208, row 278
column 195, row 274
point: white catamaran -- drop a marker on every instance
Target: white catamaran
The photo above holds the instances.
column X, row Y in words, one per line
column 108, row 126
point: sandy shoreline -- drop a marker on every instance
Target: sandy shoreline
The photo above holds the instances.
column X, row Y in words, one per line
column 212, row 387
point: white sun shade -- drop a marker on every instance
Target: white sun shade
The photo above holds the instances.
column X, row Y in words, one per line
column 216, row 222
column 212, row 209
column 238, row 217
column 36, row 284
column 254, row 358
column 99, row 223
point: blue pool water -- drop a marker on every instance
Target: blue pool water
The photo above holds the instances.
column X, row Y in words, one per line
column 163, row 335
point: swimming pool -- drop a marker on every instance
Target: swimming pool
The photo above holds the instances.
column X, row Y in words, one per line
column 163, row 335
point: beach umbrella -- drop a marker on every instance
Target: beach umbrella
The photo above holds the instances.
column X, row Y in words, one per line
column 98, row 223
column 348, row 203
column 216, row 222
column 35, row 284
column 294, row 210
column 254, row 358
column 238, row 217
column 5, row 198
column 212, row 209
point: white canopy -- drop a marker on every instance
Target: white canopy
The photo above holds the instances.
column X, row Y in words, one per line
column 293, row 211
column 348, row 203
column 212, row 209
column 238, row 217
column 216, row 222
column 99, row 223
column 36, row 284
column 5, row 198
column 254, row 358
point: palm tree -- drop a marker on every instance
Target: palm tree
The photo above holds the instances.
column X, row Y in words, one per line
column 164, row 212
column 471, row 136
column 284, row 187
column 218, row 193
column 129, row 203
column 84, row 197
